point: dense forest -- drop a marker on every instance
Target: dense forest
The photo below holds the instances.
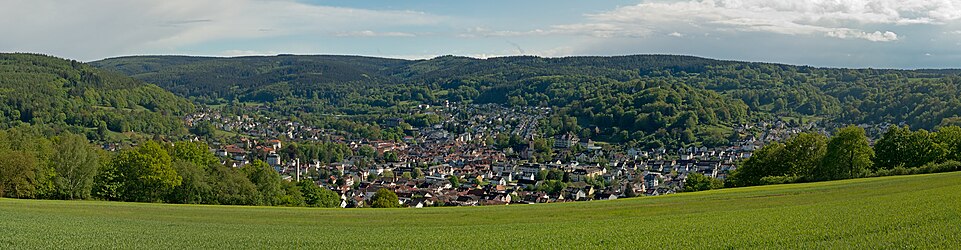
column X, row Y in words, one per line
column 649, row 99
column 73, row 96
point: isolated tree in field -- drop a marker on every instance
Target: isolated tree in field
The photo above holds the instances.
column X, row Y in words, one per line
column 384, row 198
column 803, row 153
column 76, row 163
column 848, row 155
column 699, row 182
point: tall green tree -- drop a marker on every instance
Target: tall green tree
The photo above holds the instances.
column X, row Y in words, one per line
column 901, row 147
column 950, row 138
column 230, row 186
column 76, row 163
column 766, row 161
column 145, row 173
column 699, row 182
column 454, row 180
column 267, row 181
column 195, row 188
column 803, row 153
column 291, row 196
column 384, row 198
column 316, row 196
column 18, row 174
column 197, row 153
column 848, row 155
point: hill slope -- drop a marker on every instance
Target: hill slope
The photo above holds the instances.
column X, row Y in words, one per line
column 628, row 98
column 919, row 211
column 66, row 94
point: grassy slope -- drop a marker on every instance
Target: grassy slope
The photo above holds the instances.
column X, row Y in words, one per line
column 891, row 212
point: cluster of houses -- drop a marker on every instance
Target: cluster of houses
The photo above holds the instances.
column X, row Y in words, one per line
column 453, row 164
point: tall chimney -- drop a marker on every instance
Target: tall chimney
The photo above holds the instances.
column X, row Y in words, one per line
column 297, row 165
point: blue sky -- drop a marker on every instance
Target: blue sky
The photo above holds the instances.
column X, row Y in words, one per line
column 835, row 33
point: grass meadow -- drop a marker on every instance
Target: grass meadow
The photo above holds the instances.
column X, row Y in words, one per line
column 920, row 211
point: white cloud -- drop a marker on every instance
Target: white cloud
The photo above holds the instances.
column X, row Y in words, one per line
column 844, row 19
column 368, row 33
column 675, row 34
column 231, row 53
column 97, row 28
column 840, row 19
column 601, row 30
column 876, row 36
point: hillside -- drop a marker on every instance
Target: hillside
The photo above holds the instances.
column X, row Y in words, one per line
column 622, row 98
column 66, row 94
column 243, row 76
column 891, row 212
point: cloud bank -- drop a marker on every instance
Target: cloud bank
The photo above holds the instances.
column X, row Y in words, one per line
column 843, row 19
column 115, row 27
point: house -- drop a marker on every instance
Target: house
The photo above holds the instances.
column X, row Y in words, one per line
column 530, row 170
column 652, row 180
column 652, row 192
column 236, row 152
column 273, row 159
column 582, row 174
column 275, row 144
column 605, row 196
column 497, row 180
column 376, row 170
column 566, row 140
column 576, row 194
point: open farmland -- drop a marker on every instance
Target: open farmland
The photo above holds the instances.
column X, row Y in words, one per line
column 922, row 211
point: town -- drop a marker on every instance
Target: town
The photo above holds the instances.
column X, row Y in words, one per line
column 456, row 161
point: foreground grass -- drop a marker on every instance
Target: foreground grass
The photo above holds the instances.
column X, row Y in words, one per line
column 922, row 211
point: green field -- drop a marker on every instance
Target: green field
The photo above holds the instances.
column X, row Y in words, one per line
column 922, row 211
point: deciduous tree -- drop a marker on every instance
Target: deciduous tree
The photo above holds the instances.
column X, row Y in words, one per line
column 848, row 155
column 384, row 198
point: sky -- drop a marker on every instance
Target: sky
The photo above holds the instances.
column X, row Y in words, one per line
column 829, row 33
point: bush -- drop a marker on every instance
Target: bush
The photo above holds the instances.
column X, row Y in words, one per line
column 771, row 180
column 947, row 166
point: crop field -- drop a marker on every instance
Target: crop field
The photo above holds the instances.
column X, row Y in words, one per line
column 922, row 211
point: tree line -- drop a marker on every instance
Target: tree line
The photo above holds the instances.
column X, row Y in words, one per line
column 849, row 154
column 67, row 166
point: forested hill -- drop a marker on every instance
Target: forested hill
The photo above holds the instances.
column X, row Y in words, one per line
column 621, row 98
column 227, row 77
column 66, row 94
